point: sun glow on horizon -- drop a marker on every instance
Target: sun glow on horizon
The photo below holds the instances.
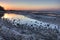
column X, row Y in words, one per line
column 6, row 6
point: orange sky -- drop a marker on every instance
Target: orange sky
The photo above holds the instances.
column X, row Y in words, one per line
column 26, row 7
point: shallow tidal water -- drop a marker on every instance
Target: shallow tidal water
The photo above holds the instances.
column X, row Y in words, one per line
column 21, row 19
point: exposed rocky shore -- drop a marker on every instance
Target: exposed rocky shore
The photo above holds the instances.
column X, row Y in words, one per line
column 23, row 32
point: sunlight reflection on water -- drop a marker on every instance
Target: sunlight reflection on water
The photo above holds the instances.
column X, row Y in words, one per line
column 12, row 15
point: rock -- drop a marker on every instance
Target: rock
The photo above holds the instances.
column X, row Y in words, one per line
column 2, row 10
column 11, row 32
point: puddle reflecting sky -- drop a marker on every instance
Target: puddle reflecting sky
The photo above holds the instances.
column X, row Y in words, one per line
column 12, row 15
column 53, row 14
